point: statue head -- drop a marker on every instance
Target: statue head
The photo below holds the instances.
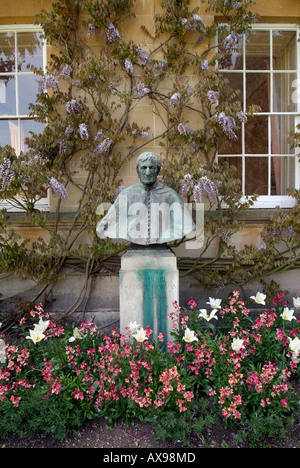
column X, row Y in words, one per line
column 148, row 166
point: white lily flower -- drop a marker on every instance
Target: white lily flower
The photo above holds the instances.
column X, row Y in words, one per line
column 214, row 303
column 288, row 314
column 294, row 344
column 237, row 343
column 259, row 298
column 42, row 325
column 140, row 335
column 77, row 335
column 36, row 335
column 207, row 317
column 296, row 302
column 189, row 336
column 134, row 327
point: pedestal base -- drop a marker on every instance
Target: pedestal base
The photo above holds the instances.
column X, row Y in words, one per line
column 149, row 284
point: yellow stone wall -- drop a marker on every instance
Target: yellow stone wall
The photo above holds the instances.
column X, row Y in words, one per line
column 24, row 11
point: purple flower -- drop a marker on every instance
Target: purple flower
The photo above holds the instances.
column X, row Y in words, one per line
column 69, row 130
column 144, row 58
column 227, row 123
column 73, row 106
column 187, row 185
column 204, row 64
column 213, row 97
column 128, row 67
column 99, row 135
column 232, row 40
column 58, row 189
column 291, row 231
column 184, row 129
column 204, row 187
column 104, row 146
column 142, row 90
column 48, row 82
column 6, row 174
column 67, row 70
column 91, row 30
column 83, row 131
column 196, row 19
column 241, row 116
column 63, row 147
column 111, row 33
column 144, row 135
column 175, row 100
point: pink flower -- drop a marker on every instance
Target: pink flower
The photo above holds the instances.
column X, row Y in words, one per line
column 284, row 402
column 77, row 394
column 15, row 401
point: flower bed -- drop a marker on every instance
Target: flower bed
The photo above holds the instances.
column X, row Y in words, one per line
column 221, row 367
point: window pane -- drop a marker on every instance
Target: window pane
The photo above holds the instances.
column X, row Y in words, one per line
column 258, row 50
column 28, row 89
column 231, row 146
column 28, row 126
column 284, row 92
column 237, row 163
column 284, row 50
column 256, row 170
column 257, row 135
column 282, row 174
column 7, row 52
column 281, row 127
column 7, row 95
column 258, row 90
column 30, row 50
column 9, row 134
column 235, row 81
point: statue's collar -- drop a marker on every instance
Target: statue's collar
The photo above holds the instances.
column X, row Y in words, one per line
column 151, row 187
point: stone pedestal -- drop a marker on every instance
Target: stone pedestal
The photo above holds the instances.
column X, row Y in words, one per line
column 149, row 284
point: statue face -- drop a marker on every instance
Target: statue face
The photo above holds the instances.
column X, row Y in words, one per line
column 147, row 172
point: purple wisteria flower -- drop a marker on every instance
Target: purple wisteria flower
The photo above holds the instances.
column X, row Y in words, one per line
column 144, row 135
column 142, row 90
column 184, row 129
column 6, row 174
column 144, row 58
column 99, row 135
column 232, row 40
column 66, row 71
column 175, row 100
column 58, row 189
column 198, row 20
column 83, row 131
column 204, row 187
column 73, row 106
column 91, row 30
column 213, row 97
column 204, row 65
column 63, row 147
column 69, row 130
column 111, row 33
column 228, row 124
column 241, row 116
column 48, row 82
column 187, row 185
column 103, row 147
column 128, row 66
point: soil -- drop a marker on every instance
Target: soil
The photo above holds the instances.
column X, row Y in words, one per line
column 97, row 434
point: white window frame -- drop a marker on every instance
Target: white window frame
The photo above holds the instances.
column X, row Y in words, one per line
column 271, row 201
column 44, row 203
